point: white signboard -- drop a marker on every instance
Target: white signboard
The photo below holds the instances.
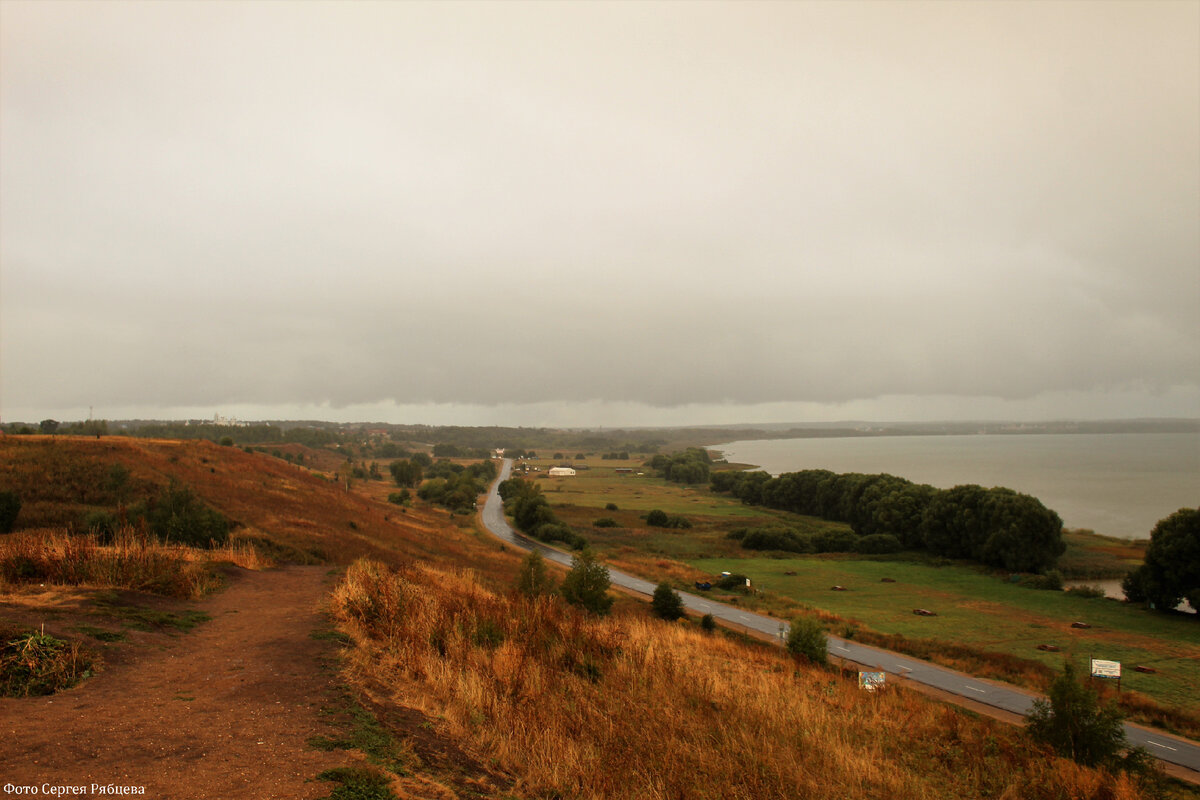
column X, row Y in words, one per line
column 1106, row 669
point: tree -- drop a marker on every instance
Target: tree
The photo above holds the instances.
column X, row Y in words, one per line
column 1075, row 725
column 1171, row 571
column 534, row 579
column 666, row 603
column 48, row 426
column 587, row 583
column 406, row 473
column 10, row 507
column 807, row 638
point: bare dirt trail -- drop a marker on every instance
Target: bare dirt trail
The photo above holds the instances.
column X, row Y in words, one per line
column 222, row 712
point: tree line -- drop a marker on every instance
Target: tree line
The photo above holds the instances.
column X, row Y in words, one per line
column 531, row 513
column 997, row 527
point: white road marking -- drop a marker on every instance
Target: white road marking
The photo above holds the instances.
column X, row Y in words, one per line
column 1164, row 746
column 974, row 689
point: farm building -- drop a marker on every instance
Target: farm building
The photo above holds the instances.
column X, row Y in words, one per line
column 559, row 472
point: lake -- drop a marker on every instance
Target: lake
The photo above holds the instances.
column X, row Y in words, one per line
column 1118, row 484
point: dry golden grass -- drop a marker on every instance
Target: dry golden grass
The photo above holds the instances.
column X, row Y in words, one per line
column 131, row 561
column 576, row 706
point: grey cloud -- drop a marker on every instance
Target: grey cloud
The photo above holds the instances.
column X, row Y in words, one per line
column 656, row 204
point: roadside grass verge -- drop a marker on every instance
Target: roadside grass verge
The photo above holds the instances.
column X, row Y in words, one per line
column 578, row 706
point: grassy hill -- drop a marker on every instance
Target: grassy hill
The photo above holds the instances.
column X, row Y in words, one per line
column 450, row 685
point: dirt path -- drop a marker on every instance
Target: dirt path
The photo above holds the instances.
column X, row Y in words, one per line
column 222, row 712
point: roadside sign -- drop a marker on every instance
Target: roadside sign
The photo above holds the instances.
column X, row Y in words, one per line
column 1106, row 669
column 870, row 681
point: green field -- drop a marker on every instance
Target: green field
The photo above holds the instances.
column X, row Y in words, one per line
column 988, row 612
column 975, row 608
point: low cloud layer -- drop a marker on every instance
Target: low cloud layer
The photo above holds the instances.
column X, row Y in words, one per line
column 789, row 206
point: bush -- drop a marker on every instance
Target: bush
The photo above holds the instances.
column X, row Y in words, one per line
column 657, row 518
column 34, row 664
column 604, row 522
column 558, row 532
column 1074, row 724
column 708, row 623
column 10, row 507
column 666, row 603
column 806, row 637
column 586, row 585
column 733, row 582
column 102, row 523
column 835, row 542
column 1090, row 592
column 177, row 515
column 610, row 507
column 877, row 544
column 400, row 498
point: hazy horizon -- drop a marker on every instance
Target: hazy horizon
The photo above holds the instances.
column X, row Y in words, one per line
column 600, row 214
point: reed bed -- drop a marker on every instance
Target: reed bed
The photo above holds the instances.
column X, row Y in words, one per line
column 577, row 706
column 132, row 560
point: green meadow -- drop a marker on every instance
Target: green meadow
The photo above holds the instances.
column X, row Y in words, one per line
column 976, row 610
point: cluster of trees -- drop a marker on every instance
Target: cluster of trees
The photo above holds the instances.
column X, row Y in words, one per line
column 998, row 527
column 531, row 513
column 455, row 486
column 409, row 472
column 689, row 466
column 1171, row 572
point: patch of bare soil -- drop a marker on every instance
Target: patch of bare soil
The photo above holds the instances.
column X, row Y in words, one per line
column 224, row 711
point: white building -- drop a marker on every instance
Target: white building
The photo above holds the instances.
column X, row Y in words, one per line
column 561, row 472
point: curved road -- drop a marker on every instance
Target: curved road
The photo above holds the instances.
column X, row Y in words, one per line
column 1164, row 746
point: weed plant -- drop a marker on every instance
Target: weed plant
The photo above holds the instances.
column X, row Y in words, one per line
column 33, row 663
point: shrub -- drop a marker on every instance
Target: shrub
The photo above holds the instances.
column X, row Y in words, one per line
column 610, row 507
column 878, row 543
column 102, row 523
column 34, row 664
column 733, row 582
column 10, row 507
column 1091, row 592
column 807, row 638
column 586, row 585
column 708, row 623
column 657, row 518
column 178, row 515
column 604, row 522
column 666, row 603
column 835, row 542
column 400, row 498
column 1076, row 726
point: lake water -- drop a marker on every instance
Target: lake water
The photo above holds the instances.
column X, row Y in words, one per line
column 1116, row 484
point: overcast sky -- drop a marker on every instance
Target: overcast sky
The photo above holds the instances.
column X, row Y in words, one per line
column 599, row 214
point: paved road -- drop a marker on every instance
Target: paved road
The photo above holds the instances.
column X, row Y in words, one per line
column 1167, row 748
